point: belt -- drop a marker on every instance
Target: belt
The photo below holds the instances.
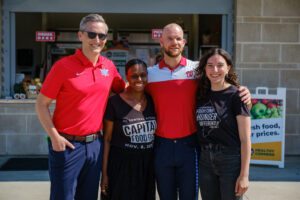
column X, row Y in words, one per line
column 216, row 147
column 86, row 138
column 188, row 138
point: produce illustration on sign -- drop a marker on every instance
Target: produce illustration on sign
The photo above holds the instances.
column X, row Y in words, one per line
column 268, row 127
column 266, row 108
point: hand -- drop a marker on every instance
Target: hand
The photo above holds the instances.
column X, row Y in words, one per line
column 104, row 184
column 245, row 95
column 60, row 143
column 241, row 186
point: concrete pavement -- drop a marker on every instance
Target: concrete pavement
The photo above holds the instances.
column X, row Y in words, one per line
column 266, row 183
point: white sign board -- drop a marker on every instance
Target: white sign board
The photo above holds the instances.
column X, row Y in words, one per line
column 268, row 127
column 119, row 57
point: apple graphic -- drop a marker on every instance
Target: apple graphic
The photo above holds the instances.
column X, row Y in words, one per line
column 265, row 101
column 275, row 115
column 261, row 117
column 271, row 105
column 254, row 101
column 268, row 113
column 259, row 109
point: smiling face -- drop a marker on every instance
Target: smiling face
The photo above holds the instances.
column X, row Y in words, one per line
column 172, row 40
column 137, row 77
column 216, row 69
column 92, row 47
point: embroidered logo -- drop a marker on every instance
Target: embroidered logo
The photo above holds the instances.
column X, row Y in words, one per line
column 104, row 72
column 78, row 74
column 190, row 74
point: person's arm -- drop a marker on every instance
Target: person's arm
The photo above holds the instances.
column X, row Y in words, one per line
column 59, row 143
column 245, row 95
column 244, row 128
column 108, row 129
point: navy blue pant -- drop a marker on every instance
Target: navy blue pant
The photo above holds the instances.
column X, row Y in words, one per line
column 75, row 174
column 219, row 169
column 175, row 168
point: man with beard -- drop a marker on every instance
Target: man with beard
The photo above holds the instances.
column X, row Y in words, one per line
column 173, row 89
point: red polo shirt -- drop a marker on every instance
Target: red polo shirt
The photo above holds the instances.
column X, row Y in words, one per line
column 174, row 95
column 81, row 91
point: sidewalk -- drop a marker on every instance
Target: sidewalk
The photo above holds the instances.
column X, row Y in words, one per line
column 266, row 183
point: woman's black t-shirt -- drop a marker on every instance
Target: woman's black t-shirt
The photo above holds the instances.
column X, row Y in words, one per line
column 216, row 117
column 132, row 129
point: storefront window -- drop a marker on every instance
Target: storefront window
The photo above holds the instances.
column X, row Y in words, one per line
column 34, row 59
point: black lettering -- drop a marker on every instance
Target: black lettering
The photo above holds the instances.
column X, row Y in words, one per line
column 127, row 130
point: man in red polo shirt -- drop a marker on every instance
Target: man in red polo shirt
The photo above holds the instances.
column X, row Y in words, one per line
column 80, row 83
column 173, row 89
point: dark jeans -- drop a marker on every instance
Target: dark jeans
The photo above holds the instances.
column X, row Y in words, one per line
column 175, row 168
column 219, row 168
column 75, row 174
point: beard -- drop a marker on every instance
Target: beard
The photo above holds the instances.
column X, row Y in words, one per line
column 173, row 54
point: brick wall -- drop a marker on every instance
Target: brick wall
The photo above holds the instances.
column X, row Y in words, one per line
column 1, row 47
column 21, row 133
column 267, row 53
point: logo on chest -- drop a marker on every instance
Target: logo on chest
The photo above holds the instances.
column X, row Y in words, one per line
column 104, row 72
column 190, row 74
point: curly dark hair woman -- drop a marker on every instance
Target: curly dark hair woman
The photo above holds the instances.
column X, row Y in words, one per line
column 223, row 129
column 204, row 85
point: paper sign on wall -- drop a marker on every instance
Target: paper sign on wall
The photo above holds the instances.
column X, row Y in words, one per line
column 44, row 36
column 156, row 33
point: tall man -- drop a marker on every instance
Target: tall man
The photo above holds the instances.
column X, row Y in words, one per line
column 80, row 83
column 173, row 89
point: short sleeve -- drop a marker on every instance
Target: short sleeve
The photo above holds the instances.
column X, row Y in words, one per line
column 239, row 108
column 110, row 110
column 54, row 81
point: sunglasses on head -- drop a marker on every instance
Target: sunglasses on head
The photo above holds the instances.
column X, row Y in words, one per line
column 92, row 35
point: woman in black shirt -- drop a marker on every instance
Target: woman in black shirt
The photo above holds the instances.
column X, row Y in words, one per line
column 223, row 129
column 129, row 127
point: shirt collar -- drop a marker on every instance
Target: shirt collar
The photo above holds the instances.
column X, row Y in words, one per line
column 162, row 64
column 86, row 61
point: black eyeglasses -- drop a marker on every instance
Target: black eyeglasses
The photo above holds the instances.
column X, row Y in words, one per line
column 92, row 35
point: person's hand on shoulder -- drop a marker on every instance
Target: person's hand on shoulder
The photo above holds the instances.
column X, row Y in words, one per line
column 245, row 95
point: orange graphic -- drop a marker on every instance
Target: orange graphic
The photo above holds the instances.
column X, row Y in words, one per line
column 266, row 151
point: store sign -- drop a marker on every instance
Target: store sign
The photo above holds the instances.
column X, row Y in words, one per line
column 268, row 127
column 119, row 57
column 156, row 33
column 45, row 36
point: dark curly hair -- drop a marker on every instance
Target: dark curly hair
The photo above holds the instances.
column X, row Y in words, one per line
column 133, row 62
column 203, row 82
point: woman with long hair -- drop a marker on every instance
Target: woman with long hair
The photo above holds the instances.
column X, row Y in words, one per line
column 223, row 129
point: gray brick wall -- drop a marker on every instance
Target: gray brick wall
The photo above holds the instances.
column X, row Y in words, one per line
column 0, row 48
column 267, row 53
column 20, row 130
